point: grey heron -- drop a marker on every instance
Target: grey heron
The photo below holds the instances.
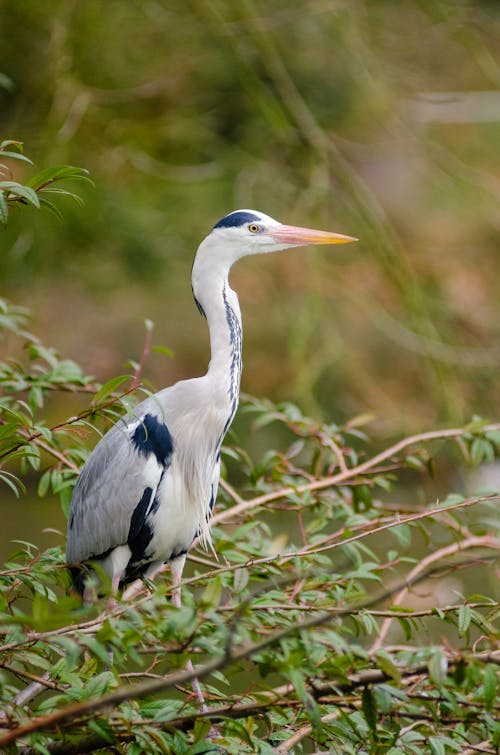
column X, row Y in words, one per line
column 148, row 488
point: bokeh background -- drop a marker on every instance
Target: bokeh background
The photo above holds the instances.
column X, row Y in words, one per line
column 375, row 118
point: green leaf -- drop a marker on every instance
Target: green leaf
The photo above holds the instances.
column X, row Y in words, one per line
column 97, row 649
column 13, row 482
column 490, row 685
column 494, row 437
column 59, row 173
column 438, row 666
column 460, row 672
column 44, row 483
column 15, row 156
column 163, row 350
column 64, row 193
column 414, row 462
column 387, row 665
column 8, row 84
column 108, row 388
column 51, row 207
column 481, row 450
column 25, row 192
column 4, row 208
column 240, row 580
column 464, row 617
column 361, row 498
column 103, row 729
column 437, row 747
column 212, row 593
column 369, row 706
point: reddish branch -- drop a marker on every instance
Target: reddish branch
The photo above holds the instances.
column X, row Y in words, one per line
column 346, row 474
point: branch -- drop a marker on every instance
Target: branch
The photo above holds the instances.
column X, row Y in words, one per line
column 336, row 479
column 155, row 686
column 94, row 624
column 30, row 437
column 146, row 349
column 277, row 698
column 450, row 550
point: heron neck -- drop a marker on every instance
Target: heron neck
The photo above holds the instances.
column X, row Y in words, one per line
column 218, row 302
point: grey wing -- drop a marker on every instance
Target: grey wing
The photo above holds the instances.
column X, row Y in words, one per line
column 122, row 472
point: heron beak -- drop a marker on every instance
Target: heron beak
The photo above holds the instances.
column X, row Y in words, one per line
column 290, row 234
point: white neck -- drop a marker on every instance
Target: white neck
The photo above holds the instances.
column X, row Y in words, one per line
column 219, row 304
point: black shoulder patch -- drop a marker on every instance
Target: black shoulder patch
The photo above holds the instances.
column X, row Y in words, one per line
column 237, row 218
column 153, row 437
column 140, row 532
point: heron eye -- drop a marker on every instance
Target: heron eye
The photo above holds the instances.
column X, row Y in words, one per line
column 253, row 228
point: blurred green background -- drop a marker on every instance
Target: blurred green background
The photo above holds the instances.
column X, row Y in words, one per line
column 375, row 118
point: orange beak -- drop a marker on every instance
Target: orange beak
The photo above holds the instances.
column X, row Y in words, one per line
column 290, row 234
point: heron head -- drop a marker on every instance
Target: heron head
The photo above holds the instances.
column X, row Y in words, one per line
column 245, row 232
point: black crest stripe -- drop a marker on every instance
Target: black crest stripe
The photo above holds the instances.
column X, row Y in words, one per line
column 235, row 219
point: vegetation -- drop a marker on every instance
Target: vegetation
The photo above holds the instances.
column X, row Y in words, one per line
column 352, row 604
column 315, row 629
column 328, row 114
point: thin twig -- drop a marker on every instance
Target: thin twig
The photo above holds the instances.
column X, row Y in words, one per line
column 449, row 550
column 302, row 733
column 146, row 350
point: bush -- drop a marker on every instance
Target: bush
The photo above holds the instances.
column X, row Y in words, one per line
column 306, row 631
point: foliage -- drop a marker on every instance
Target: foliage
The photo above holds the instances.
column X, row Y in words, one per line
column 342, row 613
column 330, row 114
column 307, row 632
column 36, row 191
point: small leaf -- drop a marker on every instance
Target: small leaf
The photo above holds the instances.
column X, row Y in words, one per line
column 490, row 685
column 361, row 498
column 464, row 617
column 51, row 207
column 4, row 208
column 58, row 173
column 163, row 350
column 108, row 388
column 8, row 84
column 387, row 665
column 213, row 593
column 103, row 729
column 25, row 192
column 44, row 484
column 240, row 580
column 97, row 649
column 437, row 747
column 438, row 666
column 64, row 193
column 481, row 450
column 15, row 156
column 459, row 674
column 369, row 705
column 494, row 437
column 415, row 462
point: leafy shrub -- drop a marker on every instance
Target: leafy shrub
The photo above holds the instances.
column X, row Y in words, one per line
column 306, row 632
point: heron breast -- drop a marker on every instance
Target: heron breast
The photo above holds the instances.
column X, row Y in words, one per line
column 173, row 520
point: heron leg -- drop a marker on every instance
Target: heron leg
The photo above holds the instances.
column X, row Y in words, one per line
column 177, row 567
